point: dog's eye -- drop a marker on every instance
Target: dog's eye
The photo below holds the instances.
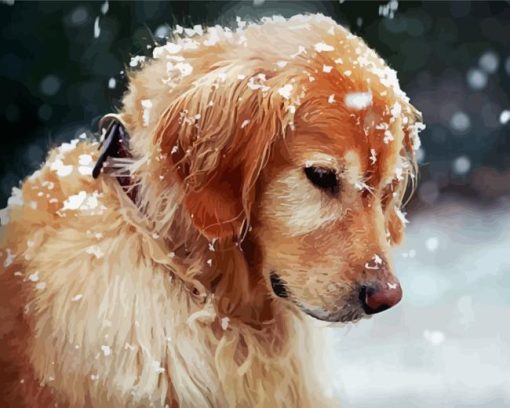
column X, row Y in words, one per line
column 325, row 179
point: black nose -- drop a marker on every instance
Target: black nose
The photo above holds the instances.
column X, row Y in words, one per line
column 379, row 297
column 278, row 286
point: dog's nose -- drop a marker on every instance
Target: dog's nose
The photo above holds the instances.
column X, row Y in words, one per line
column 379, row 297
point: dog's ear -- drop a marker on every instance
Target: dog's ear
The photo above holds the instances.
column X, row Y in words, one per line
column 216, row 138
column 411, row 142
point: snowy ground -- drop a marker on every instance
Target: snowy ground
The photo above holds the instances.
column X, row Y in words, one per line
column 448, row 343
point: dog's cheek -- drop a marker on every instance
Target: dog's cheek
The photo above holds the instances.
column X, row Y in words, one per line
column 395, row 228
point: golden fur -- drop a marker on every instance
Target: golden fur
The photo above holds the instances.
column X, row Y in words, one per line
column 108, row 303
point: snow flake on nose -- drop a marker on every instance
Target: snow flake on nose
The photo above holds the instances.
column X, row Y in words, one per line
column 375, row 263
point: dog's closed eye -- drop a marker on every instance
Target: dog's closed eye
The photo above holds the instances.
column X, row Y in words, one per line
column 323, row 178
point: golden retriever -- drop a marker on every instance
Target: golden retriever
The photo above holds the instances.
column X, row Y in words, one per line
column 262, row 183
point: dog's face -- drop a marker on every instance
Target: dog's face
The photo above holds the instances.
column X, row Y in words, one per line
column 327, row 215
column 311, row 149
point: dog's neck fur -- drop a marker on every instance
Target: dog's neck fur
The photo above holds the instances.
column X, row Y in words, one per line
column 226, row 269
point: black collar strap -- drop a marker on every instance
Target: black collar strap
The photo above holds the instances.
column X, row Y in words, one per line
column 115, row 145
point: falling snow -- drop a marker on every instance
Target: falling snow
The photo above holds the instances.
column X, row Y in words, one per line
column 358, row 100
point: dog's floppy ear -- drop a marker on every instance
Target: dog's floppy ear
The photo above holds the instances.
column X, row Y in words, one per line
column 395, row 226
column 395, row 219
column 216, row 138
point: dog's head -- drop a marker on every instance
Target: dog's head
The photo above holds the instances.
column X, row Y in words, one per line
column 295, row 135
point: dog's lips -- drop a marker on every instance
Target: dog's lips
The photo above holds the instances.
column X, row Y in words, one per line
column 342, row 315
column 333, row 317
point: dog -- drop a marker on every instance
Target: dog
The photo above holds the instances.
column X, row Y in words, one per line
column 251, row 184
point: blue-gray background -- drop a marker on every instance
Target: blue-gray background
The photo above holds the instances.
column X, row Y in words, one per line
column 448, row 343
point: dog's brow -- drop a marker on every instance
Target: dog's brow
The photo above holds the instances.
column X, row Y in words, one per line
column 352, row 170
column 322, row 159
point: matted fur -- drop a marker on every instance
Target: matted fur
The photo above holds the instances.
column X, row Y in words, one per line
column 109, row 303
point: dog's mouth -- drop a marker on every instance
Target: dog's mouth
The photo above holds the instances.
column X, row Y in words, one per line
column 341, row 315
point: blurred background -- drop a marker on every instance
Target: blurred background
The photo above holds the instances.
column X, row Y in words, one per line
column 448, row 343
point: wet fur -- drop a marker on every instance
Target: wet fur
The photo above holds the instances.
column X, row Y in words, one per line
column 176, row 286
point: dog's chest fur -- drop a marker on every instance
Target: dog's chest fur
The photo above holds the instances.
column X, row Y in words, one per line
column 109, row 326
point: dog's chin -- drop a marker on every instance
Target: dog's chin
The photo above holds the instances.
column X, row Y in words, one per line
column 340, row 316
column 348, row 313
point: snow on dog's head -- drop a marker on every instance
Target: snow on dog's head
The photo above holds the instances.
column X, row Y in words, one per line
column 293, row 135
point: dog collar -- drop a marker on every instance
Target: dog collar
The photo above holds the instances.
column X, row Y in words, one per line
column 115, row 145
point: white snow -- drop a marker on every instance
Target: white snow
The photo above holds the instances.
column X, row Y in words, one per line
column 461, row 165
column 388, row 10
column 136, row 60
column 504, row 118
column 146, row 106
column 447, row 343
column 224, row 323
column 434, row 337
column 4, row 216
column 84, row 202
column 16, row 198
column 156, row 365
column 9, row 259
column 168, row 48
column 358, row 100
column 489, row 62
column 375, row 262
column 401, row 215
column 331, row 98
column 476, row 78
column 245, row 123
column 323, row 47
column 95, row 250
column 373, row 156
column 97, row 29
column 327, row 68
column 60, row 168
column 184, row 68
column 388, row 136
column 40, row 285
column 86, row 164
column 68, row 147
column 112, row 83
column 104, row 7
column 432, row 244
column 106, row 350
column 285, row 91
column 460, row 122
column 301, row 50
column 34, row 277
column 77, row 297
column 75, row 201
column 257, row 82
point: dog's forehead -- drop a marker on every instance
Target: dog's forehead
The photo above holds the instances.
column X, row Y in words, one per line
column 334, row 137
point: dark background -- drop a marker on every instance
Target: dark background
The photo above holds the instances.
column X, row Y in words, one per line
column 453, row 59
